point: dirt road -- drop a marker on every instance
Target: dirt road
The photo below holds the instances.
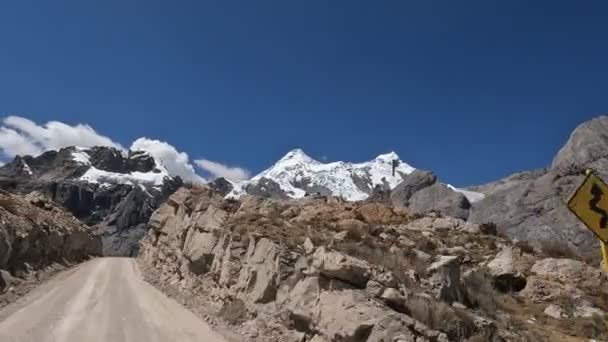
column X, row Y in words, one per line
column 102, row 300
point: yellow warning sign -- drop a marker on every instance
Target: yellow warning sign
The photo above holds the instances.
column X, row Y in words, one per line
column 590, row 204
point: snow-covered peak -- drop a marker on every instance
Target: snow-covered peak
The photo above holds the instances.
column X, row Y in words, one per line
column 297, row 156
column 388, row 156
column 298, row 174
column 153, row 175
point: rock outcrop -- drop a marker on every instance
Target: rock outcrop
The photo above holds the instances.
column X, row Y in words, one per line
column 35, row 233
column 422, row 193
column 531, row 206
column 326, row 270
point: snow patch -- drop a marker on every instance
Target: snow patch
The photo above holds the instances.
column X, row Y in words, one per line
column 27, row 168
column 155, row 178
column 96, row 176
column 472, row 196
column 81, row 156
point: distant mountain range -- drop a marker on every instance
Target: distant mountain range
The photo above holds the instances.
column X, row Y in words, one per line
column 297, row 175
column 116, row 191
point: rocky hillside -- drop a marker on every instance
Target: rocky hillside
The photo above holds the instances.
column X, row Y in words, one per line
column 320, row 269
column 112, row 191
column 531, row 206
column 34, row 233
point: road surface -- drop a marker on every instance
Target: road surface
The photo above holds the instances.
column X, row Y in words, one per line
column 102, row 300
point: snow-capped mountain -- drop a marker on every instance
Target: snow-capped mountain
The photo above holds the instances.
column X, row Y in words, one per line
column 297, row 174
column 111, row 190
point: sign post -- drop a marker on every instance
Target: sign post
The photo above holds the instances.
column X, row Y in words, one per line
column 590, row 204
column 605, row 255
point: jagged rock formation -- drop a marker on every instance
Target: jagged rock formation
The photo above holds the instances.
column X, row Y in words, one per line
column 328, row 270
column 531, row 206
column 422, row 193
column 34, row 233
column 115, row 193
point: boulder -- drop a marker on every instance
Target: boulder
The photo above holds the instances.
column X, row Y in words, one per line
column 334, row 264
column 445, row 224
column 309, row 247
column 440, row 199
column 472, row 228
column 555, row 312
column 393, row 298
column 508, row 269
column 422, row 224
column 374, row 288
column 569, row 271
column 401, row 328
column 202, row 237
column 6, row 280
column 318, row 338
column 445, row 274
column 411, row 183
column 542, row 290
column 301, row 303
column 347, row 315
column 258, row 278
column 588, row 311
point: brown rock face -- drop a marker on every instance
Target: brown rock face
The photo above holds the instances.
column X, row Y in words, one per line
column 321, row 270
column 34, row 233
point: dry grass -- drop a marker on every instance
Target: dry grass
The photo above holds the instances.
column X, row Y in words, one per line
column 525, row 247
column 554, row 249
column 480, row 292
column 397, row 263
column 457, row 324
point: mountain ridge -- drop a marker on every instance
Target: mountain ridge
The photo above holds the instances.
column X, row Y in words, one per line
column 112, row 191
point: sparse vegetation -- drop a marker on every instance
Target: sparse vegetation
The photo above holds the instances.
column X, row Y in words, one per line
column 480, row 292
column 397, row 263
column 525, row 247
column 457, row 324
column 488, row 228
column 557, row 250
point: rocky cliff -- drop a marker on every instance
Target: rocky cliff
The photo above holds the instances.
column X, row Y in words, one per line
column 531, row 206
column 112, row 191
column 325, row 270
column 34, row 233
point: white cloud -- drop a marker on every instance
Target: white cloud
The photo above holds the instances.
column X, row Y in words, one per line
column 20, row 136
column 220, row 170
column 177, row 163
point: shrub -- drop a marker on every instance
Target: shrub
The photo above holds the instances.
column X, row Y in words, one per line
column 488, row 228
column 457, row 324
column 525, row 247
column 554, row 249
column 479, row 291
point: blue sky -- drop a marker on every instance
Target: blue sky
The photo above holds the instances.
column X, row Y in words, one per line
column 473, row 90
